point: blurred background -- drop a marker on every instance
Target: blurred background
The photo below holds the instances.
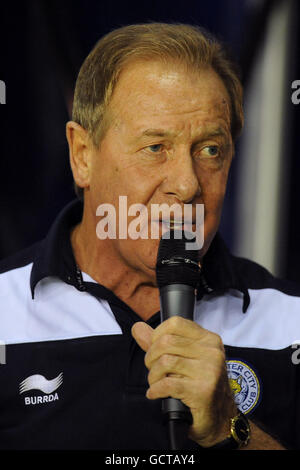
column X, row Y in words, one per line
column 42, row 46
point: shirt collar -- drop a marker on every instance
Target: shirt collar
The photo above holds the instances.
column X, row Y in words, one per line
column 54, row 257
column 219, row 272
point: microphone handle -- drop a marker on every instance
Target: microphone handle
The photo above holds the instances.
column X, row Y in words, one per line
column 177, row 299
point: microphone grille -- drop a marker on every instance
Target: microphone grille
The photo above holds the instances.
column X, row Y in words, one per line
column 175, row 264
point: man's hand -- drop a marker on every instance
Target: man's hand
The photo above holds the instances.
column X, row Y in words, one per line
column 187, row 362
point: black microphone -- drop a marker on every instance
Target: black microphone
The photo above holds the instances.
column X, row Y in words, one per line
column 178, row 275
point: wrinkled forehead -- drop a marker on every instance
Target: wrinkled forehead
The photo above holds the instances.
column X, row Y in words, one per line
column 160, row 90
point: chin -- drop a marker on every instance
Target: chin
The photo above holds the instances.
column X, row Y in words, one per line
column 146, row 252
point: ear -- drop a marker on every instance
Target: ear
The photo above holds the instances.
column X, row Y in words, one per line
column 80, row 153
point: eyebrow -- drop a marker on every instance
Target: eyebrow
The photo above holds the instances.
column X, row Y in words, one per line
column 157, row 133
column 219, row 131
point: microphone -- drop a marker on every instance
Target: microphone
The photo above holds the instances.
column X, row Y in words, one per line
column 178, row 275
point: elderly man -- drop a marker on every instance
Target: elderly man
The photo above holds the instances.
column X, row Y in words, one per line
column 156, row 111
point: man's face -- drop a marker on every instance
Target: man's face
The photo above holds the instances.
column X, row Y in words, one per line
column 169, row 141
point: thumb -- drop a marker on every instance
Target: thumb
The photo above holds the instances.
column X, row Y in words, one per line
column 142, row 333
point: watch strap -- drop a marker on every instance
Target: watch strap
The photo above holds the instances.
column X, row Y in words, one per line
column 233, row 442
column 228, row 444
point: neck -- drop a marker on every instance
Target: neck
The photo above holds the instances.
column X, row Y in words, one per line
column 98, row 259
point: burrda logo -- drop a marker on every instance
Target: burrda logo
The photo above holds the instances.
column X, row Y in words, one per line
column 39, row 382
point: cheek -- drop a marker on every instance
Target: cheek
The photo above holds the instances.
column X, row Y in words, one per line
column 213, row 191
column 115, row 176
column 106, row 180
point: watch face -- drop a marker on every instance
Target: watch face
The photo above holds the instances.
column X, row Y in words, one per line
column 242, row 429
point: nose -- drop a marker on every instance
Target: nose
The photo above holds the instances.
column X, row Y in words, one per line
column 182, row 181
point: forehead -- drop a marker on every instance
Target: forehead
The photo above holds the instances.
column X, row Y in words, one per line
column 154, row 91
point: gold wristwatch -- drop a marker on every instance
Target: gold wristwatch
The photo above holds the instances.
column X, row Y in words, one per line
column 239, row 434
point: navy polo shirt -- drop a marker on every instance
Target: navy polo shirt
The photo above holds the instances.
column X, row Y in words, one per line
column 74, row 378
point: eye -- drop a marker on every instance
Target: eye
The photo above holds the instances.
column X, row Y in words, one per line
column 210, row 151
column 155, row 148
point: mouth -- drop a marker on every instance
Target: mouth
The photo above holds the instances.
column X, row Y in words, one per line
column 177, row 225
column 174, row 225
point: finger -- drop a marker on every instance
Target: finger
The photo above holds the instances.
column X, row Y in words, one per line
column 181, row 327
column 180, row 346
column 192, row 390
column 167, row 387
column 173, row 365
column 142, row 333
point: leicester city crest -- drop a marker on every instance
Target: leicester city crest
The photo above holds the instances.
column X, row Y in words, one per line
column 245, row 385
